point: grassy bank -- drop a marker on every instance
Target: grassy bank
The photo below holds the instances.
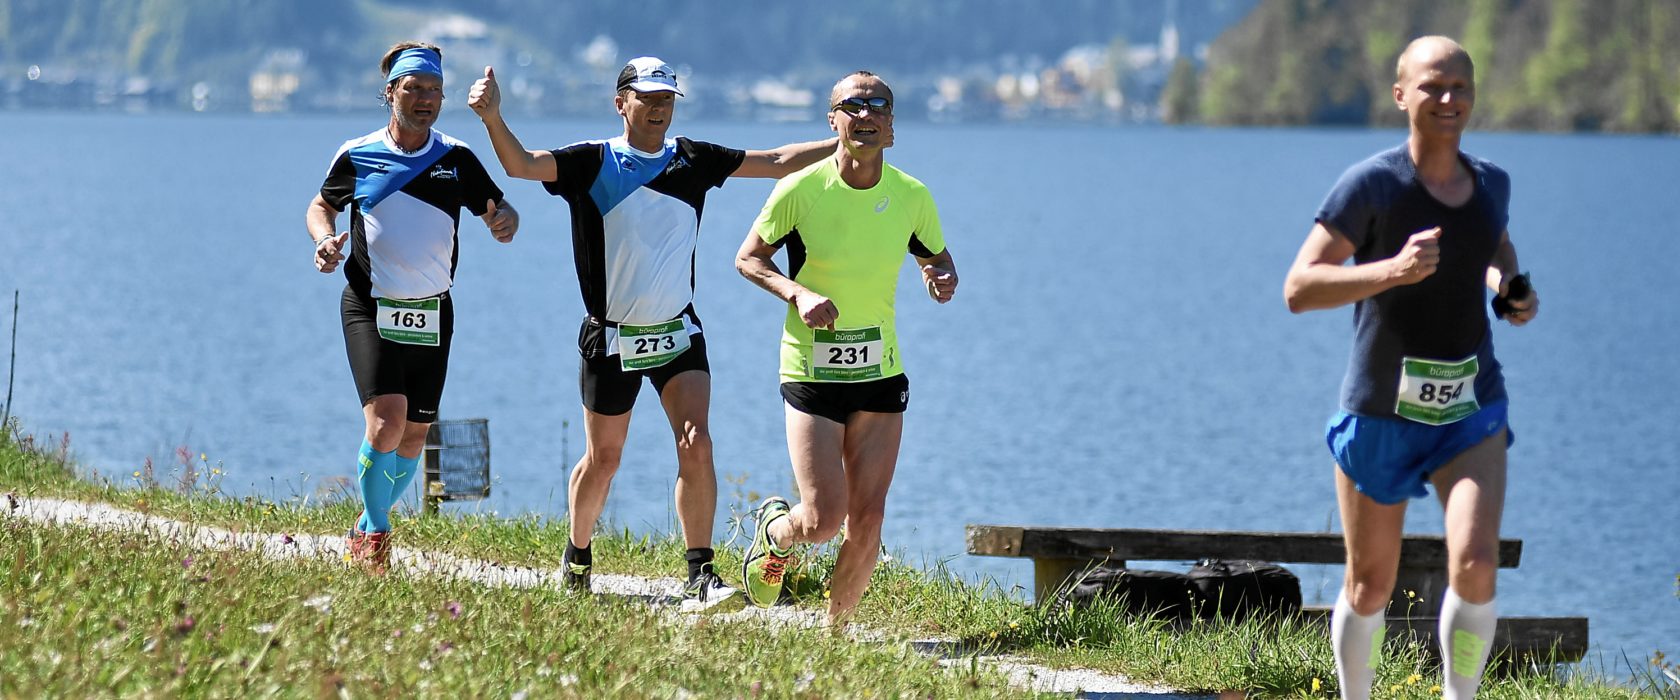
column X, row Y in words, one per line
column 85, row 612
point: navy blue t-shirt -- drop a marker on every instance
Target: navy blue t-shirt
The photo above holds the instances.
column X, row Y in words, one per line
column 1377, row 205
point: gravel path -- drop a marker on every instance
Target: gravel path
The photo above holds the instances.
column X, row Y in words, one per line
column 659, row 592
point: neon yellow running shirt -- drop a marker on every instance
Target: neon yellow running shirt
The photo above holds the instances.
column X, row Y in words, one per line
column 848, row 245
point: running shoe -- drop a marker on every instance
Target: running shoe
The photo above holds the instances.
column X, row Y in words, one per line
column 763, row 571
column 379, row 552
column 573, row 576
column 705, row 590
column 370, row 550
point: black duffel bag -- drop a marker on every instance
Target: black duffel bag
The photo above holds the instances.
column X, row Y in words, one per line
column 1236, row 589
column 1163, row 594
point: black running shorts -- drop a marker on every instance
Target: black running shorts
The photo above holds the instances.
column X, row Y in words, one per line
column 837, row 401
column 383, row 367
column 608, row 389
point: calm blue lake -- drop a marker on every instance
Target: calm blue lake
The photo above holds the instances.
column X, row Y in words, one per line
column 1118, row 354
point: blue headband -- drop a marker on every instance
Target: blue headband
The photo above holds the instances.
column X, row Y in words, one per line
column 415, row 60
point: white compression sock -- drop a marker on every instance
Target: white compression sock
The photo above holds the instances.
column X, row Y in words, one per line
column 1466, row 637
column 1357, row 640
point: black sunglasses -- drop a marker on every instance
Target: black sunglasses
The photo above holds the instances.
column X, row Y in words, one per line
column 854, row 105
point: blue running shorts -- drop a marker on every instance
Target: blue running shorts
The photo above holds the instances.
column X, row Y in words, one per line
column 1390, row 459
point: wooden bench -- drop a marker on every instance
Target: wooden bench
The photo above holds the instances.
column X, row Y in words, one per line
column 1060, row 553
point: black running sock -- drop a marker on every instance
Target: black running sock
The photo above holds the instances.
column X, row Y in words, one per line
column 699, row 561
column 575, row 555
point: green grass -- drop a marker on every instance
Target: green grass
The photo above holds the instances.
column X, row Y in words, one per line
column 101, row 613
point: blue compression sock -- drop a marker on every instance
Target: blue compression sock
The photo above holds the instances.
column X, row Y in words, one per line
column 401, row 472
column 376, row 487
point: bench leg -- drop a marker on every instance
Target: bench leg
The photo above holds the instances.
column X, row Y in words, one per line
column 1050, row 575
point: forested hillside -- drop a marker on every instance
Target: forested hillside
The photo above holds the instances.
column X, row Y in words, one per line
column 194, row 39
column 1540, row 64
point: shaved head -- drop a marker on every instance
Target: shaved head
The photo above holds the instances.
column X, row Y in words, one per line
column 1428, row 51
column 858, row 78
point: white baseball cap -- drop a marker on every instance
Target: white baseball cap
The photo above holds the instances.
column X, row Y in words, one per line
column 648, row 74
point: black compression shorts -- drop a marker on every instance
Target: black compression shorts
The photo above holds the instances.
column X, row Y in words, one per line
column 383, row 367
column 837, row 401
column 608, row 389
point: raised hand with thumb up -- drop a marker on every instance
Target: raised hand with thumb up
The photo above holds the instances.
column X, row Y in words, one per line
column 485, row 97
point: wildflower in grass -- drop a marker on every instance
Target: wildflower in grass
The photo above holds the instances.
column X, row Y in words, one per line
column 454, row 609
column 1413, row 679
column 1434, row 690
column 323, row 603
column 1014, row 625
column 286, row 538
column 187, row 563
column 263, row 628
column 185, row 625
column 1317, row 685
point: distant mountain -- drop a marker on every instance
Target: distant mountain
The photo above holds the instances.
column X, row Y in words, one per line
column 1591, row 65
column 229, row 54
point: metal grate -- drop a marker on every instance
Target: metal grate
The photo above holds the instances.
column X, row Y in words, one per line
column 458, row 460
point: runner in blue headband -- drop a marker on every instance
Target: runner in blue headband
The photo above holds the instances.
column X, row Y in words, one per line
column 404, row 186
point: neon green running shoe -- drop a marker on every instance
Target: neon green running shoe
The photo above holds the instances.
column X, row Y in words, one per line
column 574, row 576
column 763, row 569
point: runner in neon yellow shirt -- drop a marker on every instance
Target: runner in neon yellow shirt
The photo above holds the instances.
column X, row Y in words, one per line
column 846, row 224
column 853, row 260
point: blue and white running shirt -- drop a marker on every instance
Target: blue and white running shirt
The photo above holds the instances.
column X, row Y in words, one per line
column 405, row 210
column 635, row 222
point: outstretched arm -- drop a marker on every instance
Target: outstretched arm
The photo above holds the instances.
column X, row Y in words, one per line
column 785, row 160
column 485, row 98
column 754, row 262
column 1319, row 280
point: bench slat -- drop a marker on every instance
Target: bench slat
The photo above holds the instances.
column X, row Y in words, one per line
column 1416, row 551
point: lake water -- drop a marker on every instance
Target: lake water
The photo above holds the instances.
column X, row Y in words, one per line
column 1118, row 354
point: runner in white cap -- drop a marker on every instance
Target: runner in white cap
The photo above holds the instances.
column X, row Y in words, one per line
column 636, row 201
